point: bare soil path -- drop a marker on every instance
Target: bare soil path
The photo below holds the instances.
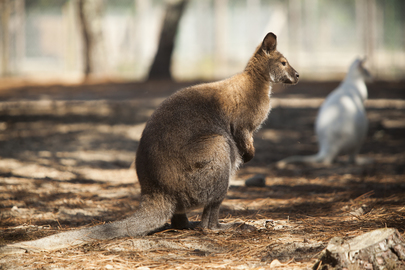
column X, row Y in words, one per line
column 65, row 153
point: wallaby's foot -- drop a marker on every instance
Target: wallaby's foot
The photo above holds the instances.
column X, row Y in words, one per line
column 237, row 226
column 180, row 221
column 242, row 226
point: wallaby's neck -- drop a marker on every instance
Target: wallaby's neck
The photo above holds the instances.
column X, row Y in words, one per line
column 258, row 73
column 355, row 82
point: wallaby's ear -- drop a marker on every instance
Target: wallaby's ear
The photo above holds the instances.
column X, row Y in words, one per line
column 269, row 42
column 361, row 61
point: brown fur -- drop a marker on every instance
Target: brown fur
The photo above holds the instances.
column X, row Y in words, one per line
column 196, row 139
column 191, row 146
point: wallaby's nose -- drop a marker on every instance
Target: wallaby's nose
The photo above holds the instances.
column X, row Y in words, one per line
column 297, row 75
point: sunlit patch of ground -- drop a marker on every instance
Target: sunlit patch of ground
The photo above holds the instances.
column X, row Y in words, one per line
column 65, row 164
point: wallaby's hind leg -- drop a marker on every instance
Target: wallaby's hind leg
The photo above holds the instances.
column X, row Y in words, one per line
column 210, row 217
column 180, row 221
column 328, row 151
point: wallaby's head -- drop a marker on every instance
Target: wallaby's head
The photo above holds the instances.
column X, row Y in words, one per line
column 359, row 70
column 279, row 69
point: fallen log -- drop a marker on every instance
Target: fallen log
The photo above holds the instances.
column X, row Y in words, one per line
column 378, row 249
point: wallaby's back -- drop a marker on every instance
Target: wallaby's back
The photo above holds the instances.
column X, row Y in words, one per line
column 186, row 150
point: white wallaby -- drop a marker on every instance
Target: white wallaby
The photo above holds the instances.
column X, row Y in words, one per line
column 341, row 125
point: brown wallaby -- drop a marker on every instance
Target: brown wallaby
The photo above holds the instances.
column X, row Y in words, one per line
column 191, row 146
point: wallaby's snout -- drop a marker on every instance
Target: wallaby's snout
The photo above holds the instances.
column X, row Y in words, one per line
column 291, row 76
column 295, row 77
column 288, row 75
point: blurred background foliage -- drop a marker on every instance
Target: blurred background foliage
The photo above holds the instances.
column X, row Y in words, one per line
column 214, row 38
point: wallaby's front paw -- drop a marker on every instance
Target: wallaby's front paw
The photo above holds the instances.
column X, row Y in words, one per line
column 248, row 157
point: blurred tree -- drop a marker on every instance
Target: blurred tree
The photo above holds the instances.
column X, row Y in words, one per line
column 40, row 5
column 4, row 31
column 90, row 16
column 160, row 68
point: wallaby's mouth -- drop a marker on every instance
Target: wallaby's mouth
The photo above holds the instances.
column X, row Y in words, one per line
column 291, row 78
column 288, row 81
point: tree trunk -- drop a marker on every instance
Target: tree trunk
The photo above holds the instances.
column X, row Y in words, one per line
column 160, row 68
column 90, row 13
column 4, row 31
column 87, row 40
column 378, row 249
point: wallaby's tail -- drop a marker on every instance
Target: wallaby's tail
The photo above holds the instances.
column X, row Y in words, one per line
column 152, row 214
column 300, row 159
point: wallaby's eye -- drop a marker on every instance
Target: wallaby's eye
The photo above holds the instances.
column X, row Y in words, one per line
column 284, row 63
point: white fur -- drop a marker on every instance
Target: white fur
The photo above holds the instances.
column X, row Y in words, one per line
column 271, row 77
column 341, row 125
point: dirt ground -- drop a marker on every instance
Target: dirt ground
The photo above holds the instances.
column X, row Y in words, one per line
column 65, row 156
